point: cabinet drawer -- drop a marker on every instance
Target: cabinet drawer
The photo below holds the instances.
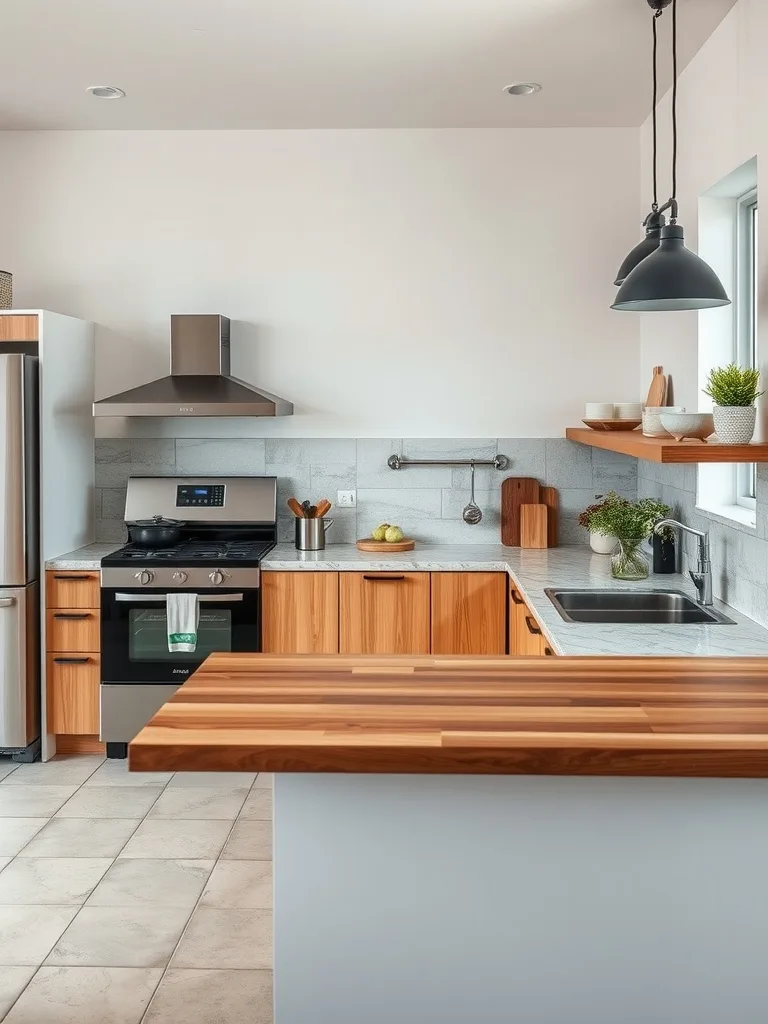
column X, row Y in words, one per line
column 384, row 612
column 73, row 693
column 65, row 589
column 73, row 629
column 525, row 635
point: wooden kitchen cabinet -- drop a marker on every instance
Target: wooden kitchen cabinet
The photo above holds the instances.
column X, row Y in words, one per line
column 525, row 635
column 469, row 611
column 73, row 693
column 73, row 659
column 72, row 589
column 384, row 612
column 300, row 612
column 73, row 630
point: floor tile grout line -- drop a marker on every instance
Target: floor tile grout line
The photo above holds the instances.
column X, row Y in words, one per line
column 194, row 908
column 216, row 861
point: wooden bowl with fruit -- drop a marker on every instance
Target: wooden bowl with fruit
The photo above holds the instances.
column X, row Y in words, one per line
column 386, row 537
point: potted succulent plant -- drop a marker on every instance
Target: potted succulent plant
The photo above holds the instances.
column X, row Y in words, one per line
column 733, row 389
column 630, row 522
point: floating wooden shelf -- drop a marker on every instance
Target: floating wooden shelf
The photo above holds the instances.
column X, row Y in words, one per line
column 659, row 449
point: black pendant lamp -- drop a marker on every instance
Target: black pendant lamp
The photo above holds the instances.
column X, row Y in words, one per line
column 654, row 222
column 671, row 277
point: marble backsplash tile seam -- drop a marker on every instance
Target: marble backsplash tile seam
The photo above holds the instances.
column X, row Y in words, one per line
column 427, row 500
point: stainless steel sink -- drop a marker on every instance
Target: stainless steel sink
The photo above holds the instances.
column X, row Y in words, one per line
column 632, row 606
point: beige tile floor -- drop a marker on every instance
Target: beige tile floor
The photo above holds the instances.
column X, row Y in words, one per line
column 134, row 898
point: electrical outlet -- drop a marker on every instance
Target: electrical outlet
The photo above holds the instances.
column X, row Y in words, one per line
column 346, row 499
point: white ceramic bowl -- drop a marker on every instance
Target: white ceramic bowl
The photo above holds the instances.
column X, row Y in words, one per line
column 599, row 411
column 688, row 424
column 652, row 419
column 628, row 410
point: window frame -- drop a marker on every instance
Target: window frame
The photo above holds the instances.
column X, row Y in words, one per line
column 747, row 227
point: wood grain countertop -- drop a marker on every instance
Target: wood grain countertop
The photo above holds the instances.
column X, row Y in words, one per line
column 490, row 715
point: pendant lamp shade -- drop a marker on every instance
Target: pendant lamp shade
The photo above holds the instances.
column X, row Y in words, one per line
column 671, row 278
column 649, row 244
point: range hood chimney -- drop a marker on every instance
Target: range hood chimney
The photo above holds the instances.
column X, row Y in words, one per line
column 200, row 383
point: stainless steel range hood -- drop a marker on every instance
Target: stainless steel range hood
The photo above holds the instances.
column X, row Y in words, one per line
column 200, row 383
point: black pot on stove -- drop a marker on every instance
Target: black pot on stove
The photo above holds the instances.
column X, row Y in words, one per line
column 156, row 532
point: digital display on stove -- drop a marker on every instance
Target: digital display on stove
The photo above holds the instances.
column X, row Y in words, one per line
column 204, row 495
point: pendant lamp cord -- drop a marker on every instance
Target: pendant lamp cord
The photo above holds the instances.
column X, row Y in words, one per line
column 674, row 110
column 655, row 206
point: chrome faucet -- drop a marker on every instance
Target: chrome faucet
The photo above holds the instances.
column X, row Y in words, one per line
column 702, row 578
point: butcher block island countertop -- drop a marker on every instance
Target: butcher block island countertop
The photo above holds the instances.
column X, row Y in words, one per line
column 703, row 717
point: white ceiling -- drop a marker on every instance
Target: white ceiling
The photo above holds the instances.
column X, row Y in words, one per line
column 333, row 63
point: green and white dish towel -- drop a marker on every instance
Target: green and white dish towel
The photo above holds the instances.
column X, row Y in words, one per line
column 182, row 616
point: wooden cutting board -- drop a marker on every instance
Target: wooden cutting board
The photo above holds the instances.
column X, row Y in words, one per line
column 551, row 499
column 657, row 392
column 516, row 491
column 533, row 526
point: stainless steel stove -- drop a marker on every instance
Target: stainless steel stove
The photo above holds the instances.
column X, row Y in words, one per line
column 230, row 523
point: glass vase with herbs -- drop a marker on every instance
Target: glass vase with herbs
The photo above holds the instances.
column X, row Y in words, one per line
column 632, row 523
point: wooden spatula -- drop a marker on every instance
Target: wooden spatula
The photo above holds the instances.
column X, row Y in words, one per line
column 323, row 508
column 296, row 508
column 657, row 392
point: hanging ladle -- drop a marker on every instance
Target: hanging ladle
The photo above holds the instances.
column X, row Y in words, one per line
column 472, row 513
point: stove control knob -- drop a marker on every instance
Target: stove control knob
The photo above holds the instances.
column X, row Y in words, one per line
column 180, row 576
column 144, row 577
column 217, row 577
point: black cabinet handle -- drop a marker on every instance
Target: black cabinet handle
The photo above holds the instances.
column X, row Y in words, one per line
column 516, row 597
column 71, row 615
column 71, row 661
column 549, row 652
column 66, row 576
column 383, row 579
column 531, row 628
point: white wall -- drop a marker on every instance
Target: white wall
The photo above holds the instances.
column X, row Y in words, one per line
column 723, row 120
column 401, row 283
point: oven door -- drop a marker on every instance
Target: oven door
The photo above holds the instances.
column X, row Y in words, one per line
column 134, row 633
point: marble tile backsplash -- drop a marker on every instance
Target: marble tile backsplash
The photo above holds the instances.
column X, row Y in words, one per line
column 426, row 501
column 739, row 553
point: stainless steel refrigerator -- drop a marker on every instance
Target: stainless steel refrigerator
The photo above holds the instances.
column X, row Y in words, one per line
column 19, row 551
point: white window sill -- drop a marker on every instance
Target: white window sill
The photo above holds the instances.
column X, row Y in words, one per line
column 731, row 513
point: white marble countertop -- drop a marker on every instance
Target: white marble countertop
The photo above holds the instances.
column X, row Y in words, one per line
column 88, row 557
column 531, row 571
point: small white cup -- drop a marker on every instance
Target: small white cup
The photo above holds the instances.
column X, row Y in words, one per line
column 628, row 411
column 598, row 411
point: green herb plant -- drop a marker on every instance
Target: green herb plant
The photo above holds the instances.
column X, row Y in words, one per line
column 619, row 517
column 733, row 385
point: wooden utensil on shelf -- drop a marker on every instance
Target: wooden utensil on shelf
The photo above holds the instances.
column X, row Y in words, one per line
column 551, row 499
column 323, row 508
column 533, row 526
column 516, row 491
column 657, row 392
column 296, row 508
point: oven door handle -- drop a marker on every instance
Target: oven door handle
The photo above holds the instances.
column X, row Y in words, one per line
column 158, row 598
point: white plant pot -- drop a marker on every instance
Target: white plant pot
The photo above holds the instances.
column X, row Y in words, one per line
column 735, row 424
column 603, row 543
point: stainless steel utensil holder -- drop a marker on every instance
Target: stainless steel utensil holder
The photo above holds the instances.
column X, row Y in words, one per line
column 310, row 533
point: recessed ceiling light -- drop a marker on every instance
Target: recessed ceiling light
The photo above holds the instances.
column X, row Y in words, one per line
column 105, row 92
column 522, row 88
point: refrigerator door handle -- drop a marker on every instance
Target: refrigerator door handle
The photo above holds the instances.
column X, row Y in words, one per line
column 6, row 602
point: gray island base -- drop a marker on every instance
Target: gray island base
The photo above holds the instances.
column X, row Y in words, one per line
column 427, row 899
